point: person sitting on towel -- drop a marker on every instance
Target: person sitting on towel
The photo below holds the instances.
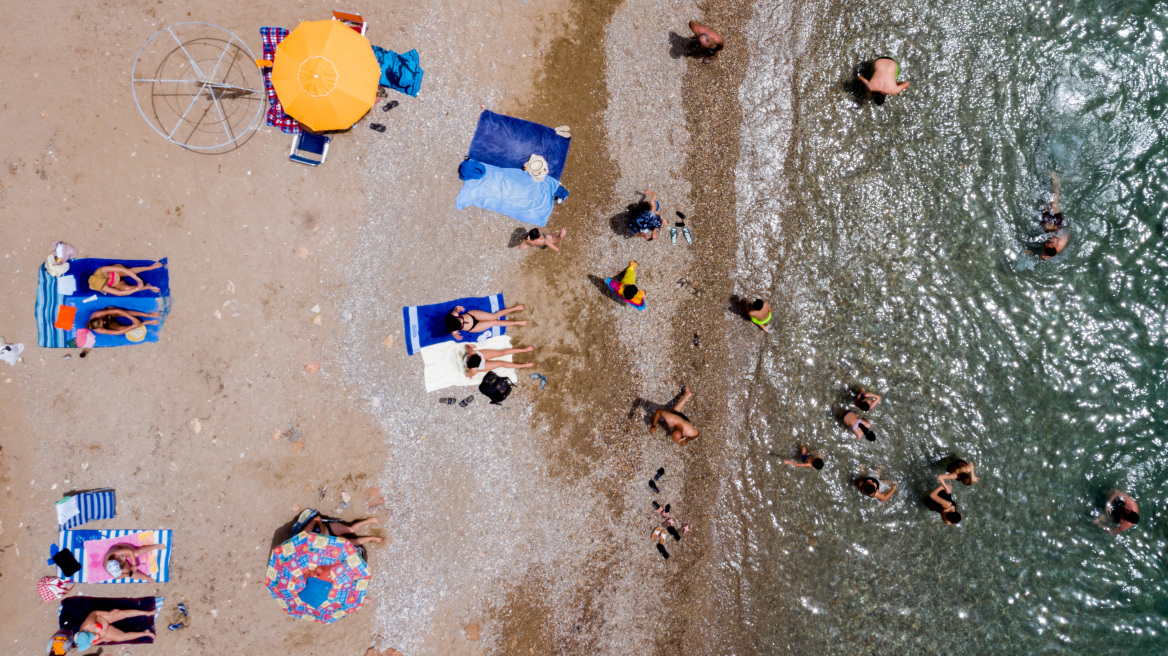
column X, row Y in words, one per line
column 107, row 321
column 478, row 361
column 476, row 321
column 98, row 628
column 113, row 279
column 121, row 561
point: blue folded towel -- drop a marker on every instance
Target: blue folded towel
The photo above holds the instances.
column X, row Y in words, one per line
column 315, row 592
column 426, row 325
column 508, row 143
column 399, row 72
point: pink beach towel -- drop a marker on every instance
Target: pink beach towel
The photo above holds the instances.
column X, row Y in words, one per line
column 95, row 551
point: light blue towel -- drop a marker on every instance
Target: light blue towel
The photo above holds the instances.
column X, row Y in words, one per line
column 512, row 192
column 399, row 72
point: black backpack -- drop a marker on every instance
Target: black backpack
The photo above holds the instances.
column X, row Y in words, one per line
column 495, row 388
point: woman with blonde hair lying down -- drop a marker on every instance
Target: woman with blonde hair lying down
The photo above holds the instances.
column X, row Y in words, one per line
column 115, row 279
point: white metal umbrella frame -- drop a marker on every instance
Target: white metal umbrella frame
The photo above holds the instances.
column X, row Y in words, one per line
column 199, row 92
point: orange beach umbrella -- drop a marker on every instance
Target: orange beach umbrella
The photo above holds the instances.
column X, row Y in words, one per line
column 325, row 75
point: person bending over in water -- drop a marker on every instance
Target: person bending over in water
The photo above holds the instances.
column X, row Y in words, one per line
column 121, row 561
column 645, row 221
column 98, row 628
column 861, row 427
column 866, row 401
column 941, row 501
column 476, row 321
column 116, row 279
column 958, row 470
column 1054, row 225
column 537, row 238
column 679, row 427
column 105, row 322
column 709, row 40
column 816, row 462
column 870, row 487
column 885, row 70
column 1122, row 510
column 478, row 361
column 760, row 314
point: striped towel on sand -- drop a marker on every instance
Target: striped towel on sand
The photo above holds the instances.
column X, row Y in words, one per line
column 86, row 507
column 90, row 548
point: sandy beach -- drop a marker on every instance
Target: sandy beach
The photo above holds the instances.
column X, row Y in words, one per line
column 520, row 529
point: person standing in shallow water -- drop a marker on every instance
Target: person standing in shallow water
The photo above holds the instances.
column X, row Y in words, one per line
column 884, row 82
column 1122, row 510
column 861, row 427
column 941, row 501
column 805, row 459
column 958, row 470
column 870, row 487
column 866, row 401
column 760, row 314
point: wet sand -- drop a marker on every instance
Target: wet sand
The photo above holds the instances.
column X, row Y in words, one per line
column 526, row 524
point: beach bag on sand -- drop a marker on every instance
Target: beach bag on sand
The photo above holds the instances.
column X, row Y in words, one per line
column 495, row 388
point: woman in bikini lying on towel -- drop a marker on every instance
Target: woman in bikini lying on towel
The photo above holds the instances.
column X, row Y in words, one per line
column 121, row 561
column 480, row 360
column 98, row 628
column 115, row 279
column 105, row 322
column 476, row 321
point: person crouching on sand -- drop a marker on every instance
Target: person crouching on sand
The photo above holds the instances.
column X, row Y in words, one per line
column 861, row 427
column 760, row 314
column 884, row 82
column 679, row 427
column 708, row 40
column 538, row 239
column 645, row 220
column 480, row 360
column 477, row 321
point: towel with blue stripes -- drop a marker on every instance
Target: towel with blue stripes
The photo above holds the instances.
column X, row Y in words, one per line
column 73, row 511
column 426, row 324
column 91, row 547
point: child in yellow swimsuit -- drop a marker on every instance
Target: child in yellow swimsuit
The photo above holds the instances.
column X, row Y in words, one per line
column 628, row 289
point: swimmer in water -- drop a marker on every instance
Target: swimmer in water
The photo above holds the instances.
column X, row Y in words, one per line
column 941, row 501
column 1122, row 510
column 884, row 82
column 958, row 470
column 861, row 427
column 870, row 487
column 805, row 459
column 866, row 401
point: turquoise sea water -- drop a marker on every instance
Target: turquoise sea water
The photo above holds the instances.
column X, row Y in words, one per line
column 898, row 265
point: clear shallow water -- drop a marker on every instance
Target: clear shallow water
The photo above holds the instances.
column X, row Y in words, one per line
column 892, row 240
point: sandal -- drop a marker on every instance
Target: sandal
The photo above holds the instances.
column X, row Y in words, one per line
column 467, row 401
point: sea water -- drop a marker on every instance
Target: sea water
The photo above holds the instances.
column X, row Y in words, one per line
column 892, row 241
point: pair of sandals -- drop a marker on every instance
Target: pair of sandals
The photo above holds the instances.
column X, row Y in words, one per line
column 462, row 404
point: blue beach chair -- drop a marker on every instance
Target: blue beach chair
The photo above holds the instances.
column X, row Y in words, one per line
column 310, row 149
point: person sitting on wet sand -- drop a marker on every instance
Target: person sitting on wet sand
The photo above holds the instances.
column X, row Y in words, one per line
column 870, row 487
column 885, row 72
column 116, row 279
column 958, row 470
column 480, row 360
column 98, row 628
column 941, row 501
column 476, row 321
column 861, row 427
column 537, row 238
column 680, row 428
column 816, row 462
column 708, row 40
column 866, row 401
column 760, row 314
column 121, row 561
column 1122, row 510
column 645, row 220
column 108, row 321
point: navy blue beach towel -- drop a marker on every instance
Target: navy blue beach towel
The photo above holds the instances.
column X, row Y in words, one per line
column 426, row 324
column 509, row 142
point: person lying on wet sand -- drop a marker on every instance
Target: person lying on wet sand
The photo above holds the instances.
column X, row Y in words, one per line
column 679, row 427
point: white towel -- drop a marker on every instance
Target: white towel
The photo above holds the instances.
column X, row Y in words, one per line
column 445, row 368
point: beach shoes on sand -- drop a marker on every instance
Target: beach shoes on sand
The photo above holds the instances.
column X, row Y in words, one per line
column 659, row 474
column 182, row 608
column 467, row 401
column 377, row 126
column 673, row 236
column 664, row 553
column 390, row 105
column 688, row 237
column 447, row 401
column 674, row 533
column 176, row 626
column 542, row 378
column 653, row 486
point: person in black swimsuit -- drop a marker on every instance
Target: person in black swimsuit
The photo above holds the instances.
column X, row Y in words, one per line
column 1053, row 225
column 941, row 501
column 476, row 321
column 958, row 470
column 680, row 428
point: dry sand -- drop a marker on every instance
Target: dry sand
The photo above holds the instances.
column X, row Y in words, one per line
column 513, row 529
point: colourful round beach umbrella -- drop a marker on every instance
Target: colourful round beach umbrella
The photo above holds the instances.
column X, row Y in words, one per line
column 325, row 75
column 293, row 562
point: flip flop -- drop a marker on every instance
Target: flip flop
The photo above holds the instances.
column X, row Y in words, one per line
column 447, row 401
column 653, row 486
column 672, row 531
column 176, row 626
column 467, row 401
column 182, row 608
column 390, row 105
column 377, row 126
column 659, row 474
column 673, row 236
column 542, row 379
column 661, row 549
column 688, row 237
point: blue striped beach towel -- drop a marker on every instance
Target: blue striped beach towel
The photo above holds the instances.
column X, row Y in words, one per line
column 72, row 289
column 425, row 324
column 86, row 507
column 90, row 557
